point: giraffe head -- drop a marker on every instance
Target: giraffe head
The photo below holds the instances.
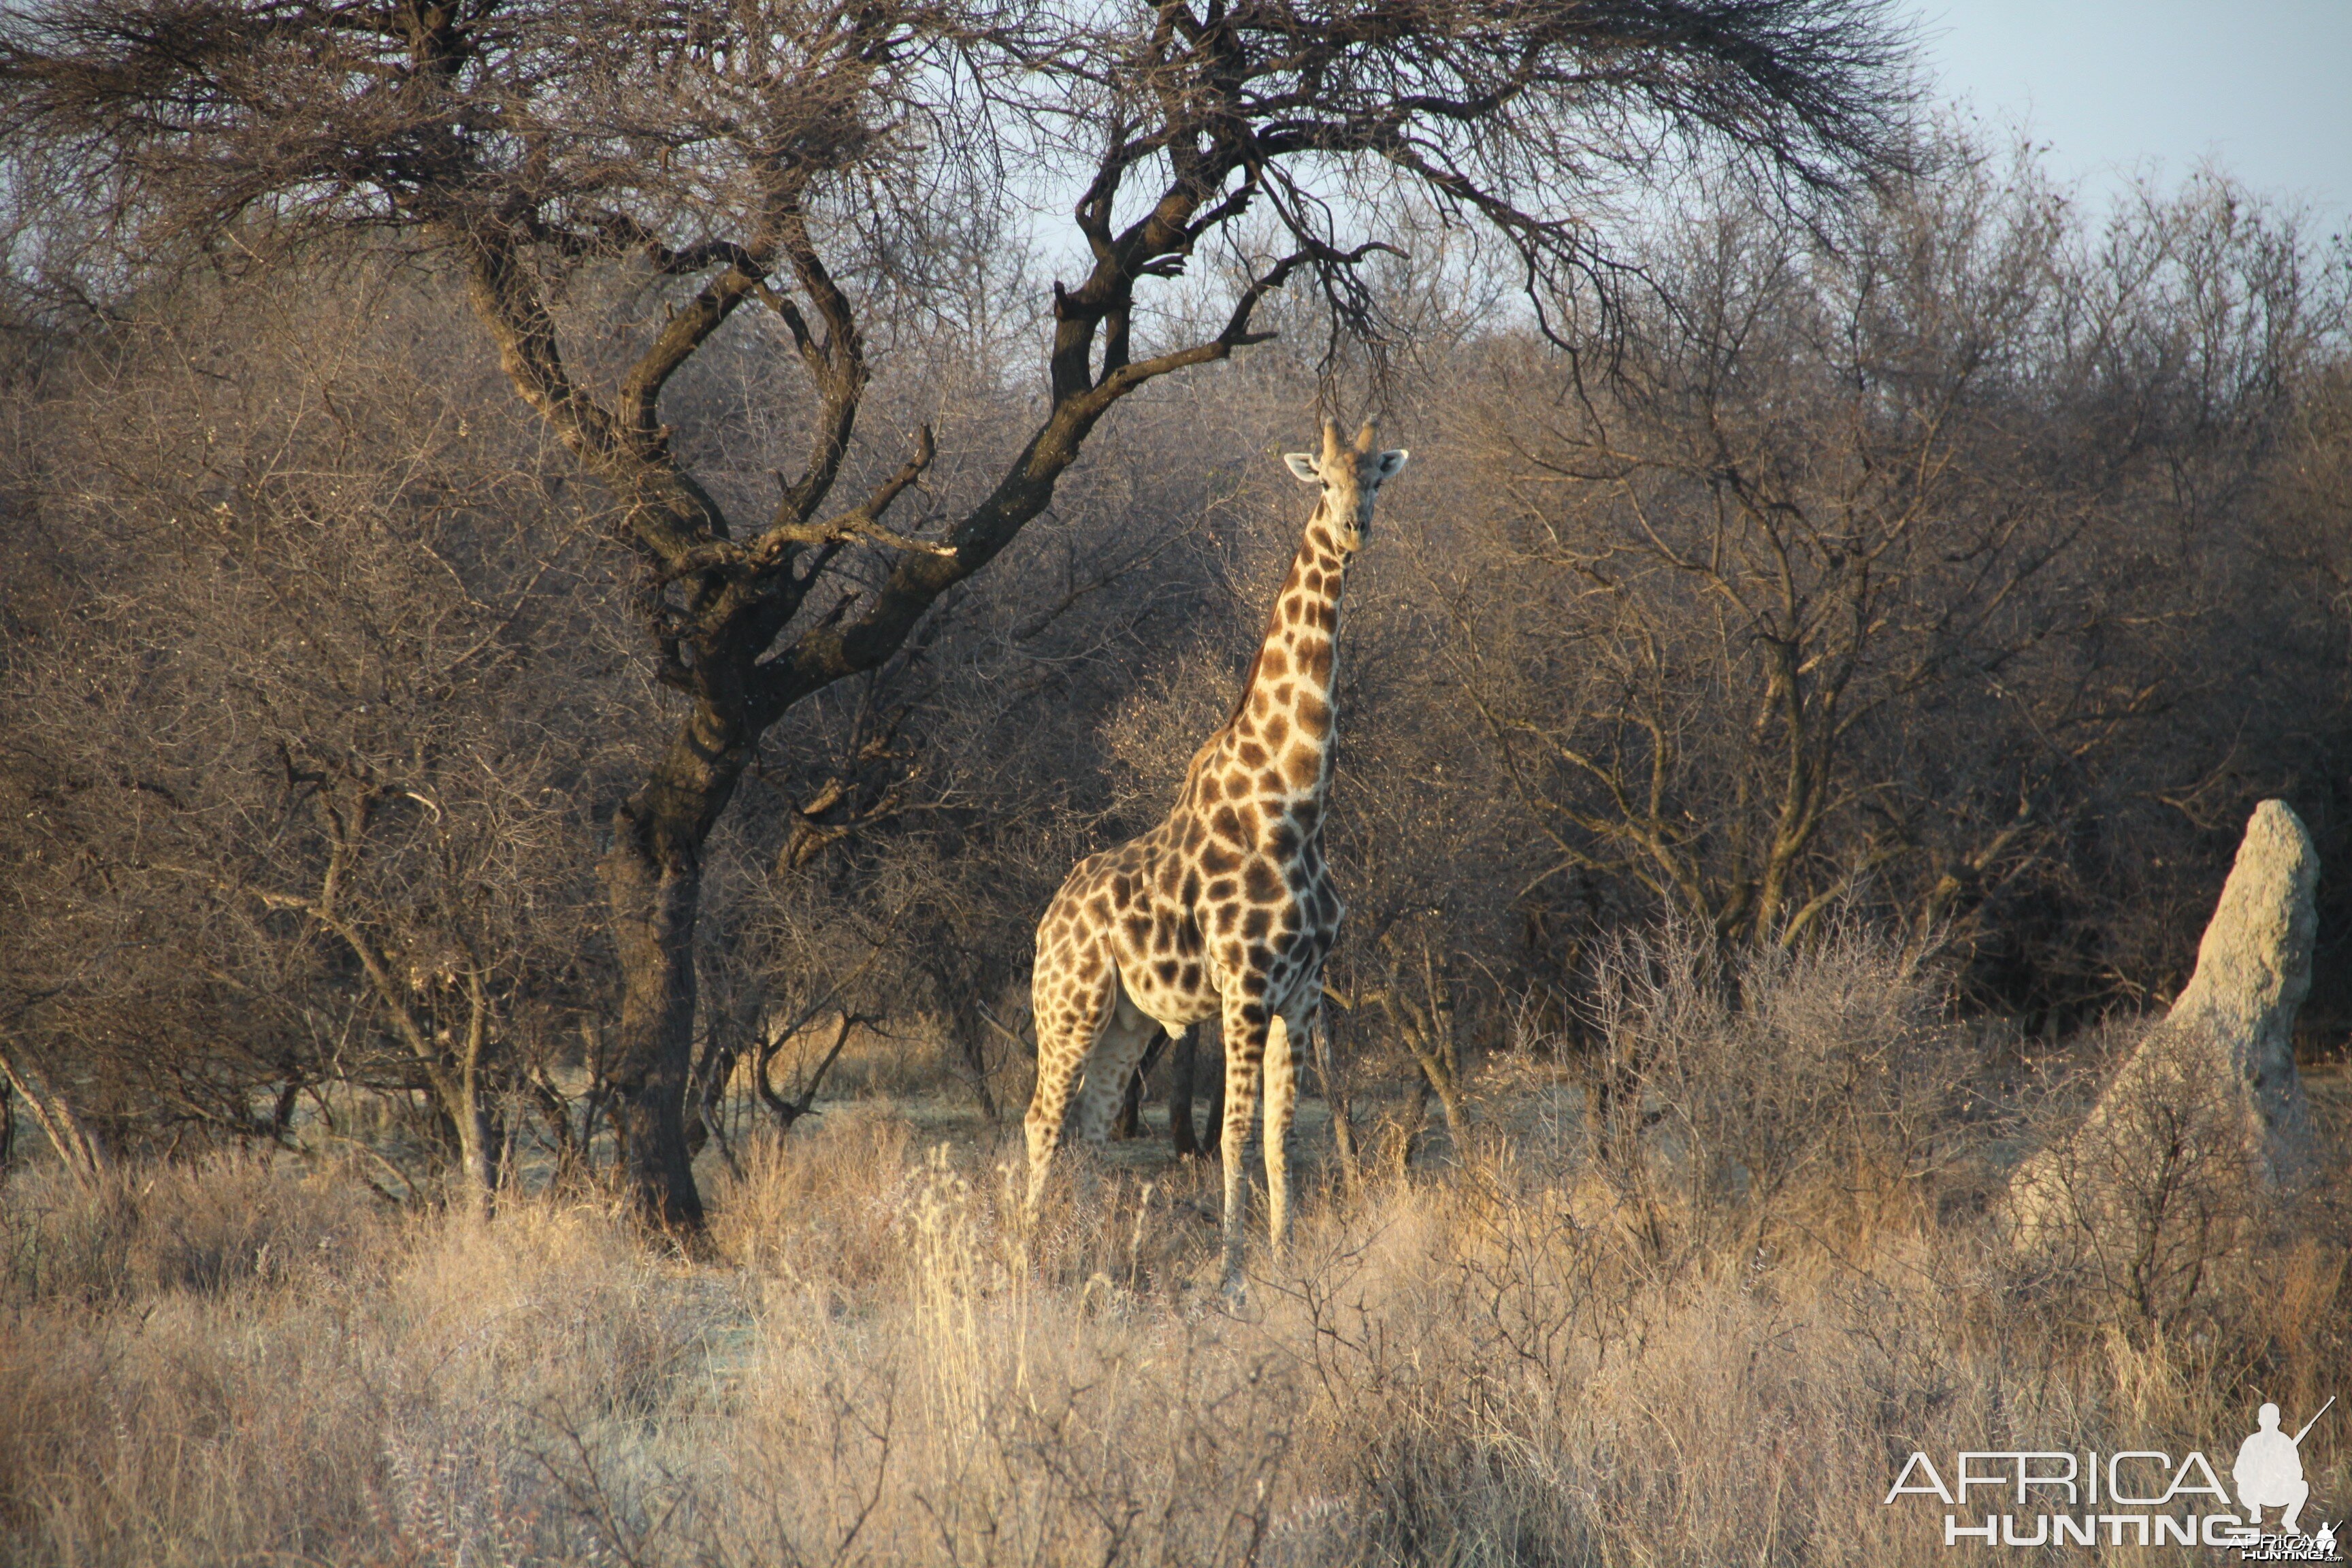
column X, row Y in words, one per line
column 1350, row 475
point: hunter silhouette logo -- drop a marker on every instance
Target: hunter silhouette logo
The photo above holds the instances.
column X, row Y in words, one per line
column 2269, row 1471
column 2056, row 1497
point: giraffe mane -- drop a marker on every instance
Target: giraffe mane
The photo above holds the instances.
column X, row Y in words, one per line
column 1274, row 610
column 1249, row 679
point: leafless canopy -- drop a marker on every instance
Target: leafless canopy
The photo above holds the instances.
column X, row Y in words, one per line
column 736, row 147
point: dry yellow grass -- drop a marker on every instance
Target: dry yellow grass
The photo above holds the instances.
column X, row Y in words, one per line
column 1533, row 1355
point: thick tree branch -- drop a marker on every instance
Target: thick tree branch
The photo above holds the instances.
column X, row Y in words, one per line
column 823, row 653
column 684, row 334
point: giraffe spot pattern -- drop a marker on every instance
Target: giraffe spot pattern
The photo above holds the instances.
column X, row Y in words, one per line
column 1225, row 904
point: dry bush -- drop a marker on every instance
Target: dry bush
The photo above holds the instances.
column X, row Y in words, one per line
column 1734, row 1086
column 210, row 1225
column 2153, row 1190
column 563, row 1302
column 183, row 1386
column 284, row 1366
column 1919, row 569
column 822, row 1202
column 289, row 800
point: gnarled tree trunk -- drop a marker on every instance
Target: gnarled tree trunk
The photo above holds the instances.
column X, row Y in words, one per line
column 653, row 886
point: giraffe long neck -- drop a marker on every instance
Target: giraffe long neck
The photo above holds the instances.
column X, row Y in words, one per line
column 1288, row 710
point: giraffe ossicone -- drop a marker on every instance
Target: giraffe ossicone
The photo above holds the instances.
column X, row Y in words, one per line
column 1226, row 907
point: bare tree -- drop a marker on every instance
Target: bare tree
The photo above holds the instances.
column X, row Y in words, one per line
column 791, row 156
column 1850, row 586
column 289, row 805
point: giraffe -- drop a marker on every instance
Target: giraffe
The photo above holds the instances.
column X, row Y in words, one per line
column 1226, row 907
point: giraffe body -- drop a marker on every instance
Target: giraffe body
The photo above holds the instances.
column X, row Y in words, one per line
column 1226, row 907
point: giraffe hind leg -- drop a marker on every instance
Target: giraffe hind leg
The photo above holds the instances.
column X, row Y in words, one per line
column 1071, row 1012
column 1124, row 1038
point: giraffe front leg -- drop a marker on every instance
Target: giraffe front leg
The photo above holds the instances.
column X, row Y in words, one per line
column 1282, row 1048
column 1246, row 1031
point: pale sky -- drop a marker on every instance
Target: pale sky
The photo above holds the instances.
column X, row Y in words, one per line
column 2261, row 88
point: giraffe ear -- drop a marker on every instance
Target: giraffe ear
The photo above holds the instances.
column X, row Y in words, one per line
column 1303, row 464
column 1390, row 461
